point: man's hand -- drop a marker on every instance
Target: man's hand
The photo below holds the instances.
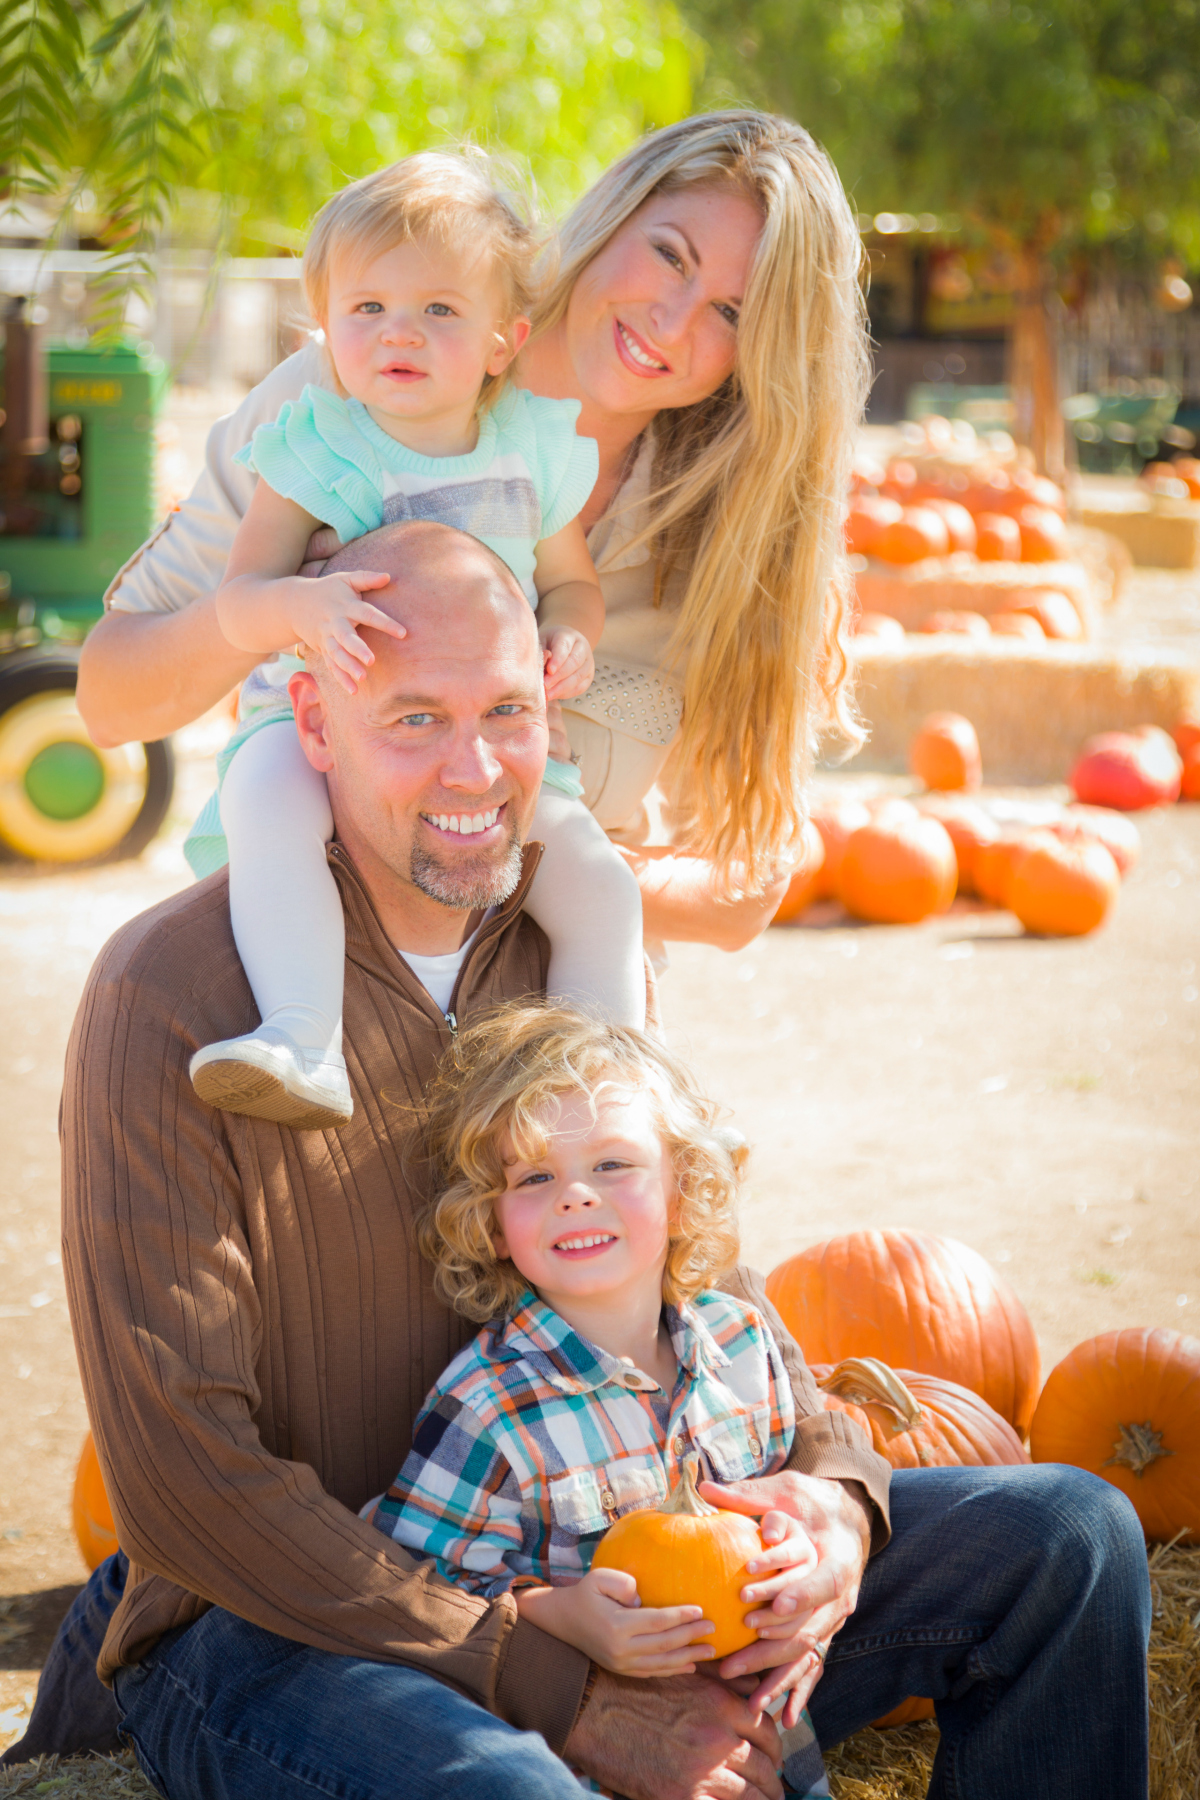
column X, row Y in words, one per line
column 836, row 1524
column 680, row 1739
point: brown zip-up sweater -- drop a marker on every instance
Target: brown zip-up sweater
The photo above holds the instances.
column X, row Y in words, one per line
column 256, row 1329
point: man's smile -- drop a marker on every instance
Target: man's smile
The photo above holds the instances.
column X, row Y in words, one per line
column 464, row 824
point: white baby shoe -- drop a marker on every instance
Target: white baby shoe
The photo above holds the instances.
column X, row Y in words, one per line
column 267, row 1075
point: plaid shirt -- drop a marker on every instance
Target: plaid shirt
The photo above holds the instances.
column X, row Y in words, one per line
column 535, row 1440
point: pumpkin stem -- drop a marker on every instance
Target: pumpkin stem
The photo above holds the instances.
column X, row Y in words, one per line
column 1137, row 1447
column 685, row 1499
column 865, row 1381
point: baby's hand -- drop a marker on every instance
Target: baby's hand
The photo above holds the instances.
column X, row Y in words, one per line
column 602, row 1616
column 567, row 659
column 325, row 612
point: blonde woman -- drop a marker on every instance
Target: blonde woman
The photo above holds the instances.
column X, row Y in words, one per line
column 707, row 315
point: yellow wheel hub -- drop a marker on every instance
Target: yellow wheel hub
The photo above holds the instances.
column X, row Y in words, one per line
column 62, row 799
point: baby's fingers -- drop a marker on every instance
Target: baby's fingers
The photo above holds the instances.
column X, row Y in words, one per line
column 363, row 580
column 363, row 613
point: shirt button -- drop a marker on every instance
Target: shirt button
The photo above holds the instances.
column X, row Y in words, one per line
column 754, row 1444
column 608, row 1500
column 679, row 1446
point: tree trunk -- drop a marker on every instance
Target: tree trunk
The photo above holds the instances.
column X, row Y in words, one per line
column 1038, row 419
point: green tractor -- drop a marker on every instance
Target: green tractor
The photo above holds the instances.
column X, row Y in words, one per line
column 77, row 453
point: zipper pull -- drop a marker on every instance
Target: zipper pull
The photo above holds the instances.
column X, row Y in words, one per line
column 452, row 1022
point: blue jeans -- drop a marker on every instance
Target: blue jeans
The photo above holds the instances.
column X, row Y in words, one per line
column 1017, row 1598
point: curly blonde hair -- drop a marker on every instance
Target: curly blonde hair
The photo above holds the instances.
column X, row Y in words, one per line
column 496, row 1081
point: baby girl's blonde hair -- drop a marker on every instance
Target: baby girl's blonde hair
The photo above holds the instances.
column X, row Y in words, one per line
column 496, row 1081
column 454, row 199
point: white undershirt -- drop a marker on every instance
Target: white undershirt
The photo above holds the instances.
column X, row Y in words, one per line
column 438, row 974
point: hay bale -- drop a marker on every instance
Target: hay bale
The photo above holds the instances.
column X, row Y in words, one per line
column 1159, row 533
column 960, row 583
column 1032, row 704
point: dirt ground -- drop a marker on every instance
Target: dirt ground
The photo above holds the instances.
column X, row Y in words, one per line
column 1038, row 1099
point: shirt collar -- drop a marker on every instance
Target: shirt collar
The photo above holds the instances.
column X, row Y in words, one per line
column 535, row 1334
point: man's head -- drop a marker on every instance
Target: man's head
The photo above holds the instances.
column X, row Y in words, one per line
column 434, row 765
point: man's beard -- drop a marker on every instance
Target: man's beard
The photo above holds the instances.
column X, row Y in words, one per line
column 469, row 884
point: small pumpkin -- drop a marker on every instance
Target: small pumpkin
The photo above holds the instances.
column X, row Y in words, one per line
column 918, row 532
column 1053, row 610
column 944, row 753
column 915, row 1301
column 961, row 624
column 993, row 868
column 959, row 524
column 1061, row 889
column 1186, row 734
column 91, row 1513
column 970, row 830
column 897, row 869
column 998, row 537
column 1018, row 625
column 919, row 1421
column 688, row 1553
column 803, row 888
column 867, row 518
column 879, row 625
column 1043, row 535
column 1127, row 770
column 836, row 825
column 1126, row 1405
column 1189, row 779
column 1118, row 834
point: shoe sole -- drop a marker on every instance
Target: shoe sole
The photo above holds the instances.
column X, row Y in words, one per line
column 238, row 1087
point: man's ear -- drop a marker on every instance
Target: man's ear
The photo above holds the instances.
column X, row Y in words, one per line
column 312, row 720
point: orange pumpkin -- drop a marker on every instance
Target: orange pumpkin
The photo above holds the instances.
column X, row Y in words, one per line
column 91, row 1514
column 1043, row 535
column 1189, row 779
column 959, row 524
column 998, row 538
column 688, row 1553
column 803, row 887
column 970, row 830
column 879, row 625
column 1119, row 835
column 944, row 754
column 993, row 868
column 919, row 1421
column 836, row 825
column 899, row 481
column 1062, row 889
column 964, row 624
column 993, row 494
column 1015, row 624
column 1186, row 733
column 898, row 868
column 867, row 518
column 1054, row 611
column 909, row 1712
column 1127, row 1406
column 915, row 1301
column 917, row 533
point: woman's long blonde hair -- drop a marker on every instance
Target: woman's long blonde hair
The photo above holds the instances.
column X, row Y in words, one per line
column 493, row 1088
column 748, row 485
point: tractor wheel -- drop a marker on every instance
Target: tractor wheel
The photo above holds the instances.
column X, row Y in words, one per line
column 61, row 799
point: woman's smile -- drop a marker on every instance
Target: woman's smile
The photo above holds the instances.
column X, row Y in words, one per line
column 633, row 349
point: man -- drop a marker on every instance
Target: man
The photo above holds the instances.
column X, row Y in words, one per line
column 256, row 1333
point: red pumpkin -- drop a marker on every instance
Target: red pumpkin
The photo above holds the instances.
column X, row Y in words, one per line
column 897, row 869
column 970, row 830
column 917, row 1421
column 998, row 538
column 1127, row 1406
column 866, row 520
column 805, row 884
column 1061, row 889
column 944, row 753
column 917, row 533
column 1127, row 770
column 915, row 1301
column 1119, row 835
column 836, row 825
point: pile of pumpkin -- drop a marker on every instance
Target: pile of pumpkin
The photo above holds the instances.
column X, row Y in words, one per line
column 931, row 1351
column 1177, row 480
column 1059, row 869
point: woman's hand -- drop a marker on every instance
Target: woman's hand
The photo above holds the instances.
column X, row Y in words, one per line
column 602, row 1616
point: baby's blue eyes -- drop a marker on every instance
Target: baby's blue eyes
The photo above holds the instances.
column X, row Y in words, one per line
column 438, row 308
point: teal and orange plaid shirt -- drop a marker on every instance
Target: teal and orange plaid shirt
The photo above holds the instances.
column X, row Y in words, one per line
column 535, row 1440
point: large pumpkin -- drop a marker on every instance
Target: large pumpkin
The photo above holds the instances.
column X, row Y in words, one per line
column 915, row 1301
column 836, row 824
column 1062, row 889
column 1127, row 769
column 898, row 868
column 1127, row 1406
column 970, row 830
column 688, row 1553
column 91, row 1514
column 919, row 1421
column 944, row 753
column 805, row 884
column 1118, row 834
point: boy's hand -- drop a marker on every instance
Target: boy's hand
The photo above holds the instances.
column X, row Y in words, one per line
column 602, row 1616
column 325, row 613
column 567, row 661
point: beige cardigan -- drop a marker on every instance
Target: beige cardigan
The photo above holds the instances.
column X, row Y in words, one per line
column 621, row 742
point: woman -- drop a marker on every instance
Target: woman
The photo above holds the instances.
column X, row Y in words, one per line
column 707, row 313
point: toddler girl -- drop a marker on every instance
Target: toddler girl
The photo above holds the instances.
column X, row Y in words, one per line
column 585, row 1204
column 419, row 277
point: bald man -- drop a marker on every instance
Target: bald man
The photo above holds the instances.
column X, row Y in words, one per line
column 256, row 1330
